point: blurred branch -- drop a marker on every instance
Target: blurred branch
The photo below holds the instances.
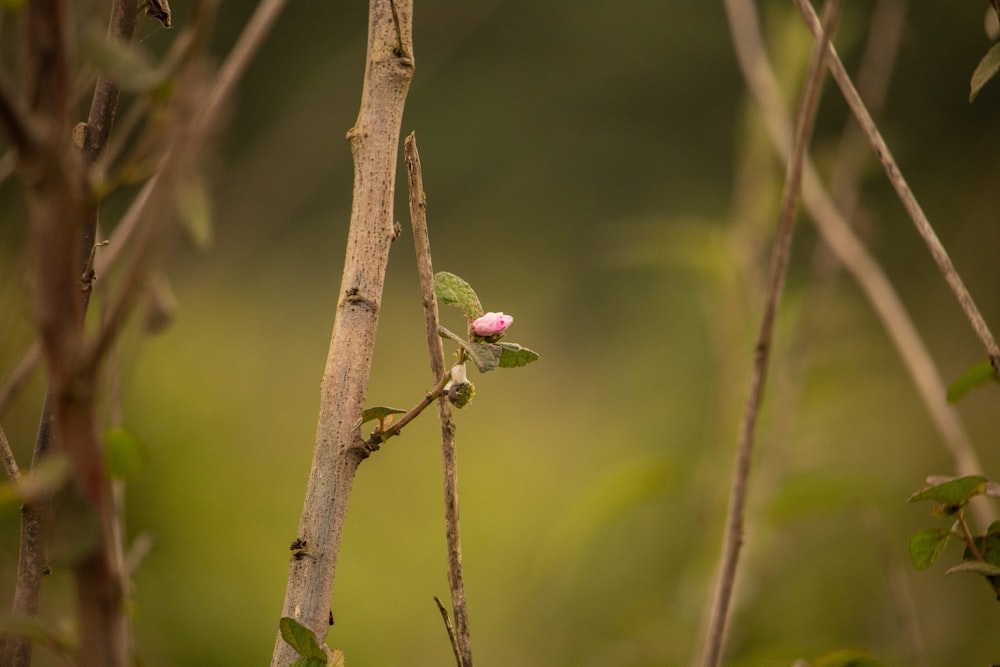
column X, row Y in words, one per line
column 836, row 231
column 7, row 458
column 715, row 642
column 920, row 221
column 374, row 141
column 461, row 639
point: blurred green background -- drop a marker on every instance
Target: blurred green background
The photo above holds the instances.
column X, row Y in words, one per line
column 580, row 160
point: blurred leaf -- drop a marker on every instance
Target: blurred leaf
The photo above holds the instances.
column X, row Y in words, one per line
column 122, row 62
column 513, row 355
column 377, row 412
column 976, row 376
column 453, row 291
column 992, row 488
column 310, row 661
column 985, row 71
column 954, row 492
column 195, row 211
column 35, row 630
column 486, row 356
column 43, row 480
column 976, row 566
column 125, row 453
column 160, row 307
column 302, row 639
column 926, row 545
column 12, row 5
column 337, row 659
column 846, row 657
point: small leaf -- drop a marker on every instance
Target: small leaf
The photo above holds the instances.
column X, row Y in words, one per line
column 486, row 356
column 377, row 412
column 846, row 657
column 976, row 566
column 43, row 480
column 985, row 71
column 976, row 376
column 308, row 661
column 954, row 492
column 128, row 65
column 301, row 638
column 453, row 291
column 337, row 658
column 126, row 455
column 513, row 355
column 926, row 545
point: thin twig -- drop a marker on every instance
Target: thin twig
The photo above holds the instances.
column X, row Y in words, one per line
column 837, row 233
column 899, row 184
column 379, row 436
column 7, row 458
column 435, row 348
column 715, row 642
column 450, row 628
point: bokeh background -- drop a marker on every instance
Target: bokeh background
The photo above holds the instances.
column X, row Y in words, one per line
column 582, row 161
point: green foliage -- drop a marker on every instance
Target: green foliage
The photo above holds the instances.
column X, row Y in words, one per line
column 125, row 63
column 379, row 412
column 952, row 492
column 125, row 453
column 302, row 639
column 513, row 355
column 486, row 356
column 453, row 291
column 926, row 545
column 976, row 376
column 985, row 70
column 982, row 552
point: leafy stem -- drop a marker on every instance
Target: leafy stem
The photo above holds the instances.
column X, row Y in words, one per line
column 966, row 535
column 381, row 434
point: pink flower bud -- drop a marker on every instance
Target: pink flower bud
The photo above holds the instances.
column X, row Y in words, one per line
column 491, row 324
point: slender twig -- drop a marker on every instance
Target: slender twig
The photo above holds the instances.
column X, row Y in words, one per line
column 450, row 629
column 899, row 184
column 7, row 458
column 715, row 642
column 850, row 251
column 435, row 348
column 381, row 435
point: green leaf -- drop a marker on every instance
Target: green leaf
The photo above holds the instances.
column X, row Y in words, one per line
column 954, row 491
column 513, row 355
column 976, row 566
column 976, row 376
column 122, row 62
column 985, row 71
column 453, row 291
column 309, row 661
column 301, row 638
column 125, row 453
column 379, row 412
column 486, row 356
column 926, row 545
column 846, row 657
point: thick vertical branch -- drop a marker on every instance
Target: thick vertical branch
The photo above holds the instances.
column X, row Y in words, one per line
column 374, row 143
column 100, row 579
column 461, row 638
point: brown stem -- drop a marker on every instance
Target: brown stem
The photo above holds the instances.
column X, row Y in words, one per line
column 374, row 143
column 462, row 641
column 715, row 642
column 902, row 188
column 381, row 435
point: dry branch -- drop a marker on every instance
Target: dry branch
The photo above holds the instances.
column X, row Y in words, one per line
column 461, row 639
column 715, row 642
column 339, row 450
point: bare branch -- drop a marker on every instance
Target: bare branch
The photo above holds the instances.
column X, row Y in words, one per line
column 904, row 193
column 425, row 268
column 374, row 143
column 7, row 458
column 849, row 250
column 715, row 642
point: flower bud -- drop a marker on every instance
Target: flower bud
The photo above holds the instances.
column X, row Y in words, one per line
column 491, row 324
column 461, row 395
